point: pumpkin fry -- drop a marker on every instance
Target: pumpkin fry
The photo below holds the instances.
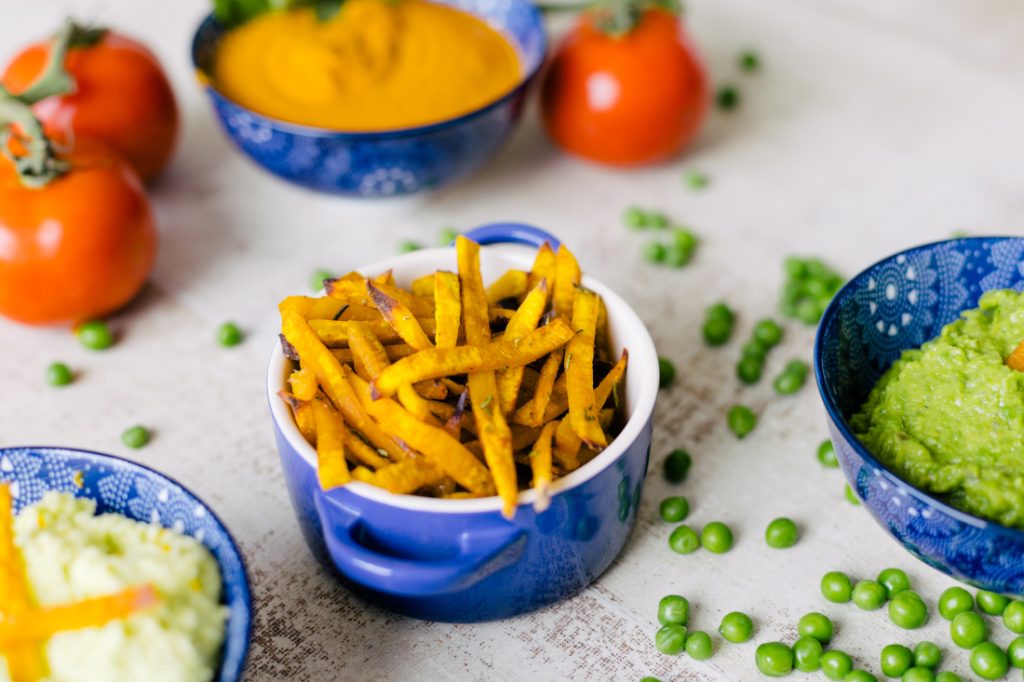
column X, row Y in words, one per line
column 356, row 290
column 423, row 286
column 579, row 370
column 331, row 468
column 325, row 308
column 567, row 278
column 567, row 442
column 543, row 267
column 395, row 351
column 448, row 309
column 510, row 285
column 303, row 413
column 358, row 452
column 400, row 318
column 335, row 333
column 368, row 352
column 404, row 477
column 540, row 465
column 523, row 322
column 303, row 383
column 538, row 407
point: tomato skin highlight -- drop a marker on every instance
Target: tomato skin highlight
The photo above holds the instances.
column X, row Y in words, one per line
column 122, row 97
column 77, row 248
column 625, row 100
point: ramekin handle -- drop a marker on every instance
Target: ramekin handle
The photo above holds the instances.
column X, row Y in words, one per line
column 479, row 555
column 512, row 233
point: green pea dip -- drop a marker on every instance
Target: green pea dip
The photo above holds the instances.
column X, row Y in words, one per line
column 949, row 417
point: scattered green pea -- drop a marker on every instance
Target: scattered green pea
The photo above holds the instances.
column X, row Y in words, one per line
column 896, row 659
column 808, row 288
column 649, row 679
column 851, row 496
column 816, row 625
column 59, row 374
column 316, row 280
column 674, row 509
column 447, row 236
column 827, row 454
column 807, row 653
column 947, row 676
column 918, row 674
column 228, row 334
column 727, row 98
column 749, row 370
column 1015, row 652
column 741, row 420
column 408, row 246
column 894, row 581
column 699, row 646
column 836, row 587
column 716, row 537
column 774, row 659
column 859, row 676
column 836, row 665
column 927, row 655
column 635, row 217
column 953, row 601
column 655, row 252
column 95, row 335
column 135, row 437
column 684, row 540
column 967, row 629
column 696, row 179
column 666, row 372
column 754, row 349
column 676, row 467
column 670, row 639
column 907, row 610
column 674, row 608
column 1013, row 617
column 768, row 333
column 717, row 331
column 792, row 378
column 749, row 61
column 736, row 627
column 991, row 603
column 781, row 533
column 868, row 595
column 657, row 220
column 988, row 661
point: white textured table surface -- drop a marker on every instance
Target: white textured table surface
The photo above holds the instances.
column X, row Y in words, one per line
column 874, row 125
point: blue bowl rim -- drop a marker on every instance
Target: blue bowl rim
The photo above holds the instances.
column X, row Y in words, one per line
column 836, row 415
column 370, row 135
column 121, row 462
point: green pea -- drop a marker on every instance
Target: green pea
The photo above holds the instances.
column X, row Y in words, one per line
column 717, row 331
column 670, row 639
column 816, row 625
column 947, row 676
column 791, row 379
column 699, row 646
column 678, row 255
column 316, row 280
column 836, row 587
column 721, row 311
column 967, row 629
column 95, row 335
column 894, row 581
column 655, row 252
column 768, row 333
column 749, row 61
column 919, row 674
column 736, row 627
column 868, row 595
column 228, row 334
column 754, row 349
column 673, row 608
column 907, row 610
column 741, row 420
column 927, row 655
column 684, row 540
column 727, row 98
column 992, row 603
column 59, row 374
column 851, row 496
column 859, row 676
column 677, row 466
column 809, row 311
column 896, row 660
column 635, row 217
column 716, row 537
column 657, row 220
column 1015, row 652
column 988, row 661
column 807, row 653
column 836, row 665
column 684, row 238
column 749, row 370
column 674, row 509
column 649, row 679
column 774, row 659
column 135, row 437
column 666, row 372
column 409, row 246
column 447, row 236
column 953, row 601
column 696, row 179
column 781, row 533
column 1013, row 617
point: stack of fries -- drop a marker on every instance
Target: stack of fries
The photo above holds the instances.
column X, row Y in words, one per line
column 447, row 389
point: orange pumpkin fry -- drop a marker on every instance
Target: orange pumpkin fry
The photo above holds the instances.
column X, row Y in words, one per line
column 579, row 371
column 1016, row 359
column 543, row 267
column 475, row 317
column 358, row 452
column 303, row 383
column 436, row 363
column 510, row 285
column 336, row 332
column 423, row 286
column 432, row 389
column 303, row 413
column 522, row 323
column 540, row 465
column 395, row 351
column 331, row 468
column 325, row 308
column 405, row 477
column 386, row 278
column 567, row 442
column 330, row 375
column 400, row 318
column 88, row 613
column 448, row 309
column 538, row 407
column 357, row 291
column 369, row 353
column 454, row 424
column 567, row 278
column 296, row 304
column 358, row 312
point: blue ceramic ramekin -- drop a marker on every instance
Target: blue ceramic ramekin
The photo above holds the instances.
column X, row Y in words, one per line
column 122, row 487
column 460, row 560
column 894, row 305
column 391, row 162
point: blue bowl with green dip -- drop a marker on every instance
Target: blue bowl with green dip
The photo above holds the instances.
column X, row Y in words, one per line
column 926, row 417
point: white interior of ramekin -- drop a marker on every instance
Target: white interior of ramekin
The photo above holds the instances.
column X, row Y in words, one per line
column 627, row 331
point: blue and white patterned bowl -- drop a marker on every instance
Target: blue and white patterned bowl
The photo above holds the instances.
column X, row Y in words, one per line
column 122, row 487
column 894, row 305
column 392, row 162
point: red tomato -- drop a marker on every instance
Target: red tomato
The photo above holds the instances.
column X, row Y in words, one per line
column 629, row 99
column 121, row 97
column 78, row 247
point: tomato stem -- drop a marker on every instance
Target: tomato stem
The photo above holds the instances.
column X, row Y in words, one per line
column 618, row 17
